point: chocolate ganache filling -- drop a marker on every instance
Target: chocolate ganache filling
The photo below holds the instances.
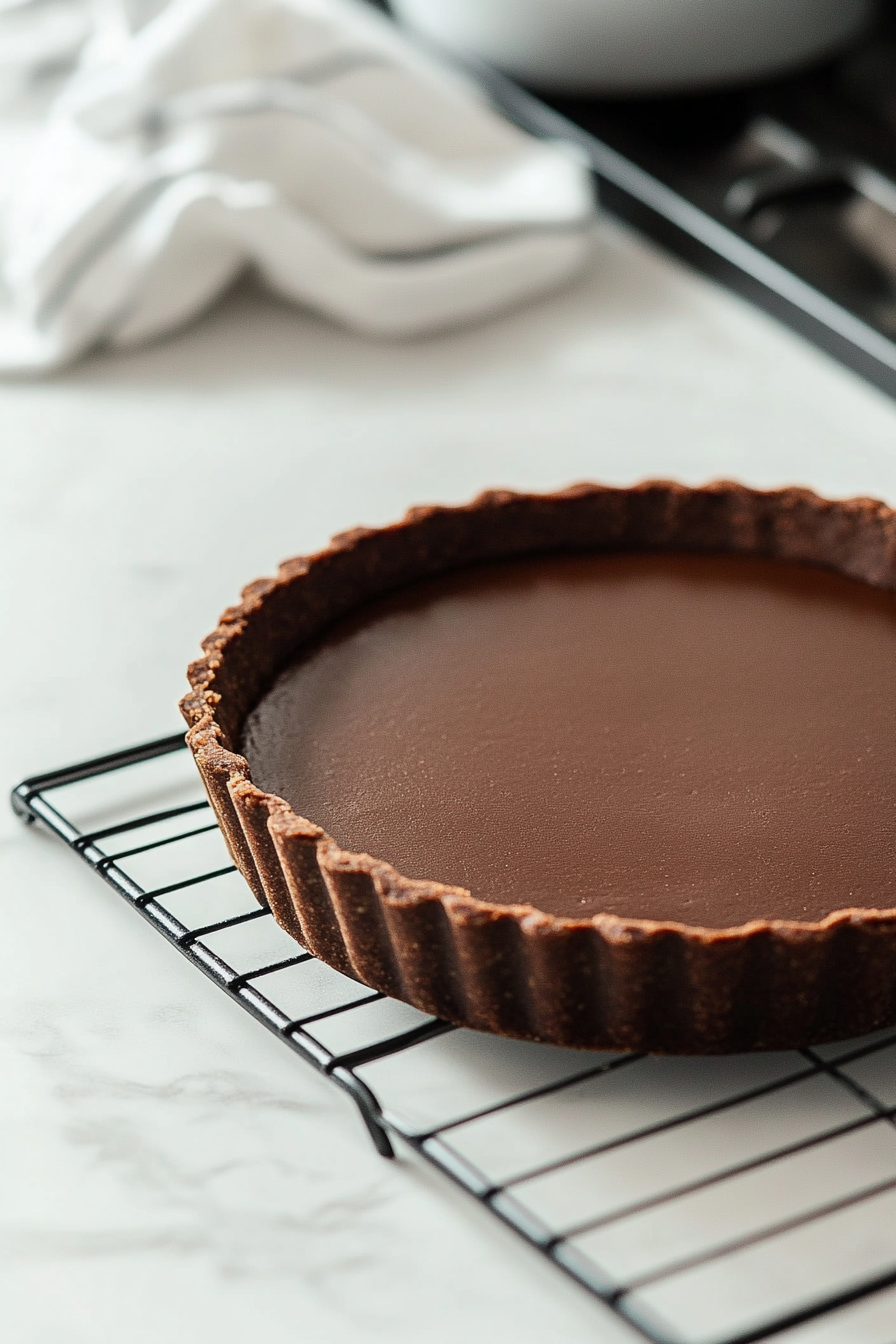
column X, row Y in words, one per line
column 707, row 739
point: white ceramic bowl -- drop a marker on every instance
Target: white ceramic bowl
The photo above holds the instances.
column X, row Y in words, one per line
column 637, row 46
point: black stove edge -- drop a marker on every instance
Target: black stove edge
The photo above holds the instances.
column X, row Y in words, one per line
column 655, row 209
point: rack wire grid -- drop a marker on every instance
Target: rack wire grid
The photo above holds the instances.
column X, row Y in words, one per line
column 704, row 1201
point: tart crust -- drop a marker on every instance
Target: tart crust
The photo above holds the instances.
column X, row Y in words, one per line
column 599, row 983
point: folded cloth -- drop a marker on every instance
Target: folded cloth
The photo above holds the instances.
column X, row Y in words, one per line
column 306, row 138
column 41, row 36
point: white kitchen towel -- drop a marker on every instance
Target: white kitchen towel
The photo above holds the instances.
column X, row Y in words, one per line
column 306, row 138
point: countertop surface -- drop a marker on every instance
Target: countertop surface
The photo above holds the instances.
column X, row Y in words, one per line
column 171, row 1172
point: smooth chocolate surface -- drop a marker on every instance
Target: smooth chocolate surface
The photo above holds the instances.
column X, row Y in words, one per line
column 709, row 739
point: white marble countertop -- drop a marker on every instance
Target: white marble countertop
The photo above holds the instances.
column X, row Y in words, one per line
column 170, row 1171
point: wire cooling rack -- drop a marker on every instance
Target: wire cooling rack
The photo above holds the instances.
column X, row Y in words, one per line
column 703, row 1201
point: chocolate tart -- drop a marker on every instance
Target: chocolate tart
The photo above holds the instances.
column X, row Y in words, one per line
column 627, row 758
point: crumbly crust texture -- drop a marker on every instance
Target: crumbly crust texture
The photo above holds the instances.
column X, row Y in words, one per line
column 599, row 983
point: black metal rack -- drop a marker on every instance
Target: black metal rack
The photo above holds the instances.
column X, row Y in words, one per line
column 662, row 1186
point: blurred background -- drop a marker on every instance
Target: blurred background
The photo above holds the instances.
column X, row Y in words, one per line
column 732, row 316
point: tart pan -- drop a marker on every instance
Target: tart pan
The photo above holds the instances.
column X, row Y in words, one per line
column 599, row 983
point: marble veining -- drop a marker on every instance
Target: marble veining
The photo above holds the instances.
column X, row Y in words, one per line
column 168, row 1171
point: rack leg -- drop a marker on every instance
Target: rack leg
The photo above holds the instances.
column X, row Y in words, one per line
column 370, row 1111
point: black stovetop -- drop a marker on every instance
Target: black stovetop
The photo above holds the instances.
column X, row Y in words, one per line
column 785, row 190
